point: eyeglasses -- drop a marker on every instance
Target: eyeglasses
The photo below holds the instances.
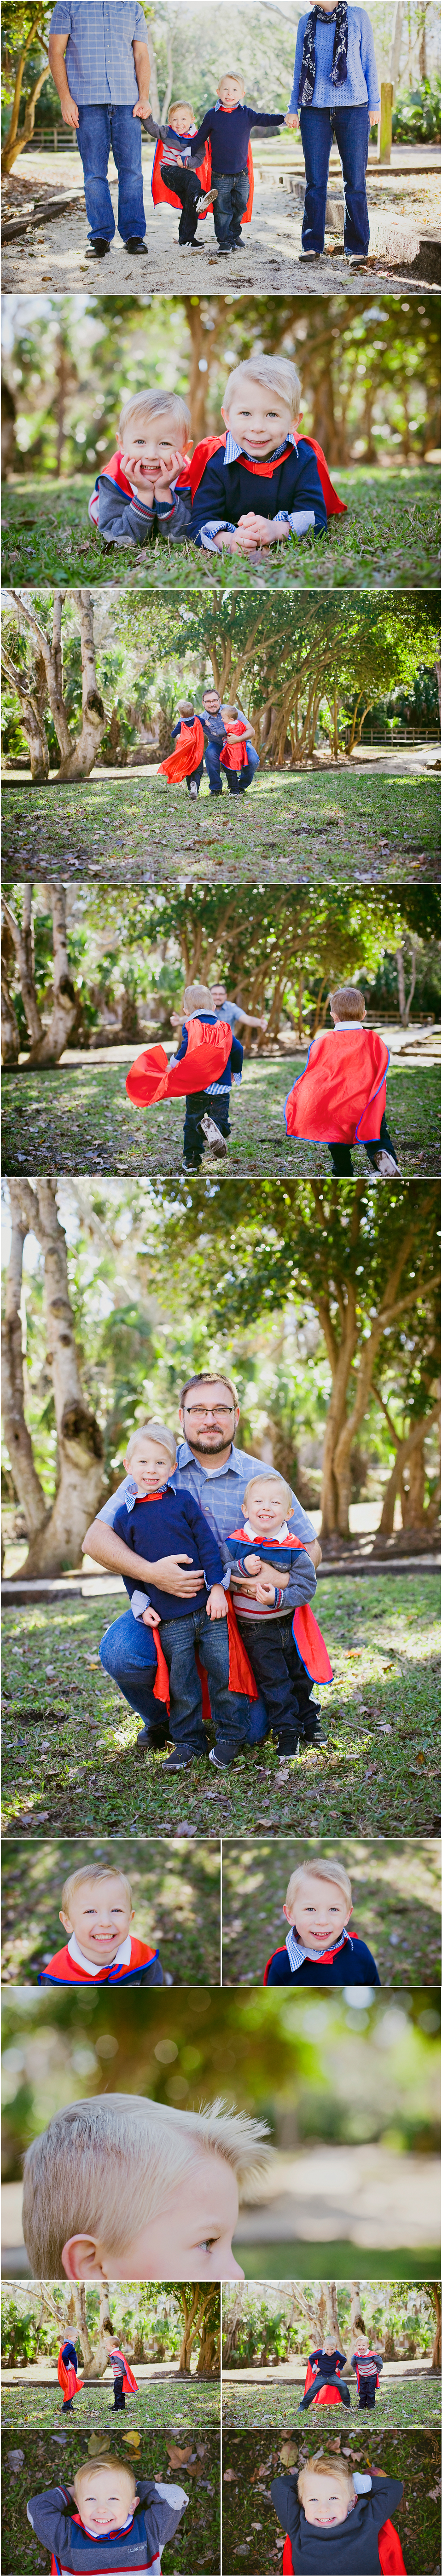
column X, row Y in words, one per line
column 199, row 1412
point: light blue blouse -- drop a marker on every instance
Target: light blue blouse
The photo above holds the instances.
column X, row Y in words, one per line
column 361, row 85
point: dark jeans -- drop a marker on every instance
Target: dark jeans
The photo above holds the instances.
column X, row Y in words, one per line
column 351, row 127
column 230, row 204
column 341, row 1154
column 333, row 2382
column 367, row 2393
column 185, row 185
column 196, row 773
column 203, row 1104
column 126, row 1653
column 237, row 779
column 119, row 2395
column 281, row 1678
column 98, row 129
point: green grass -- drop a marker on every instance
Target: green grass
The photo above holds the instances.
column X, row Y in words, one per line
column 364, row 1782
column 337, row 2257
column 79, row 1118
column 399, row 2402
column 47, row 2458
column 250, row 2526
column 353, row 826
column 390, row 538
column 186, row 2402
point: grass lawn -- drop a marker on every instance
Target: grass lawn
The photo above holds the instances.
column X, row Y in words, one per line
column 79, row 1118
column 46, row 2458
column 188, row 2402
column 395, row 1889
column 390, row 539
column 365, row 1782
column 252, row 2533
column 355, row 825
column 399, row 2402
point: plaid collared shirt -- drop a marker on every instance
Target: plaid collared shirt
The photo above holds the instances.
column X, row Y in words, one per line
column 220, row 1493
column 297, row 1954
column 99, row 59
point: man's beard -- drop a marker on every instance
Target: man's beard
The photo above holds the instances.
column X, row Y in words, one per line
column 211, row 1441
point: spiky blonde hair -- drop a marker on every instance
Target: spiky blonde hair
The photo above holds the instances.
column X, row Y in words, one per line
column 91, row 1876
column 322, row 1869
column 111, row 2163
column 327, row 2466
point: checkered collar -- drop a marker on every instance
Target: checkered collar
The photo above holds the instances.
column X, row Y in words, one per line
column 297, row 1954
column 232, row 450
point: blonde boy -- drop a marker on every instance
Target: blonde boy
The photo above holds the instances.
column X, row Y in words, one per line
column 97, row 1912
column 324, row 2498
column 319, row 1949
column 138, row 2190
column 262, row 482
column 106, row 2519
column 137, row 489
column 227, row 128
column 341, row 1096
column 154, row 1522
column 272, row 1576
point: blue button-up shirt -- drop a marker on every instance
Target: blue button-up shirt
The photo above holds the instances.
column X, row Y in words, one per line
column 219, row 1490
column 99, row 59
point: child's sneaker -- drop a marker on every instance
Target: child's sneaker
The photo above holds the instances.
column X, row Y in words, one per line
column 193, row 787
column 207, row 200
column 182, row 1761
column 386, row 1166
column 213, row 1135
column 289, row 1745
column 222, row 1761
column 152, row 1739
column 313, row 1735
column 310, row 254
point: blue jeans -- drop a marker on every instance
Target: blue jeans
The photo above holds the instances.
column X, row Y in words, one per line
column 216, row 774
column 283, row 1683
column 98, row 129
column 351, row 127
column 127, row 1654
column 230, row 204
column 199, row 1104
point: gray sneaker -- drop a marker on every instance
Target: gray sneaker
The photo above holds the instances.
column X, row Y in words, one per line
column 193, row 788
column 386, row 1166
column 213, row 1136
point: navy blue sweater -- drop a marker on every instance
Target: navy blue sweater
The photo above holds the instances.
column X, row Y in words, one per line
column 170, row 1524
column 351, row 1967
column 351, row 2548
column 234, row 1060
column 230, row 137
column 227, row 491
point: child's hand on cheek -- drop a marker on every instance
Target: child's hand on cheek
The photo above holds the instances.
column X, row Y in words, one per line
column 139, row 473
column 170, row 466
column 150, row 1618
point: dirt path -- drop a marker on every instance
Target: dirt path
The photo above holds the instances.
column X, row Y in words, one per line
column 401, row 210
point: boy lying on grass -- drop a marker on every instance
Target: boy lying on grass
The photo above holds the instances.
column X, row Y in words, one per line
column 107, row 2519
column 262, row 483
column 135, row 495
column 128, row 2189
column 336, row 2521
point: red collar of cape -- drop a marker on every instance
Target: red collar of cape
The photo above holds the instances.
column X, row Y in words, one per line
column 152, row 1078
column 64, row 1971
column 191, row 475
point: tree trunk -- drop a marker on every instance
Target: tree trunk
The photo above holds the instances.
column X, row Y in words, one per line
column 209, row 2353
column 332, row 2307
column 14, row 141
column 27, row 1485
column 405, row 1450
column 79, row 760
column 436, row 2356
column 190, row 2311
column 10, row 1027
column 231, row 2321
column 56, row 1536
column 78, row 2295
column 23, row 944
column 404, row 1005
column 356, row 2318
column 32, row 718
column 49, row 1047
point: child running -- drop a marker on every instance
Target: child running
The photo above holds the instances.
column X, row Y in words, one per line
column 340, row 1099
column 208, row 1047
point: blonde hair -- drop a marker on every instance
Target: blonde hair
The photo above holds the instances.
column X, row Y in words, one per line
column 110, row 2164
column 269, row 1477
column 326, row 2466
column 322, row 1869
column 84, row 1877
column 232, row 76
column 89, row 2468
column 348, row 1001
column 154, row 1430
column 148, row 406
column 179, row 105
column 197, row 997
column 278, row 373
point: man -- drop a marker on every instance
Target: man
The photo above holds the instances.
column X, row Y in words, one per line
column 233, row 1011
column 216, row 1472
column 98, row 56
column 215, row 732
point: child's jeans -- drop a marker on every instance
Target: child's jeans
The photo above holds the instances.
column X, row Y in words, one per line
column 203, row 1104
column 185, row 185
column 237, row 779
column 230, row 204
column 128, row 1653
column 341, row 1154
column 333, row 2382
column 367, row 2392
column 282, row 1679
column 195, row 773
column 351, row 127
column 119, row 2396
column 98, row 129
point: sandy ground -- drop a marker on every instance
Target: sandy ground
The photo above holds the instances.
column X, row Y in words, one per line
column 402, row 206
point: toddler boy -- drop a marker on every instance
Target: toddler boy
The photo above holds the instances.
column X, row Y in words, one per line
column 125, row 2384
column 135, row 493
column 207, row 1111
column 342, row 1090
column 174, row 180
column 67, row 2368
column 158, row 1523
column 318, row 1948
column 227, row 127
column 128, row 2189
column 324, row 2382
column 273, row 1574
column 106, row 2519
column 188, row 759
column 333, row 2518
column 97, row 1912
column 368, row 2366
column 262, row 482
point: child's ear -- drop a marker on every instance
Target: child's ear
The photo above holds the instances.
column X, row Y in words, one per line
column 286, row 1912
column 224, row 416
column 65, row 1920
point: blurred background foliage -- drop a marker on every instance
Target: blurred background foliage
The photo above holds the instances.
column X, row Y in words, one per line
column 148, row 2316
column 344, row 2067
column 395, row 1888
column 176, row 1898
column 266, row 2322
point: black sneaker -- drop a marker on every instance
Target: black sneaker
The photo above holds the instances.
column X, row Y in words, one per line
column 182, row 1761
column 289, row 1744
column 312, row 1735
column 222, row 1761
column 152, row 1739
column 97, row 249
column 137, row 247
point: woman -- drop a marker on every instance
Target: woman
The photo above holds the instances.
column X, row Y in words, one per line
column 335, row 92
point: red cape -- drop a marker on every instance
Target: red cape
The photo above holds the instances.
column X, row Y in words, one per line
column 130, row 2384
column 341, row 1095
column 151, row 1077
column 63, row 1971
column 311, row 1646
column 241, row 1677
column 67, row 2377
column 234, row 754
column 191, row 475
column 326, row 2396
column 189, row 752
column 389, row 2548
column 163, row 196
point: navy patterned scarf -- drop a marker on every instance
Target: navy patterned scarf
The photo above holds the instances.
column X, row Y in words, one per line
column 340, row 48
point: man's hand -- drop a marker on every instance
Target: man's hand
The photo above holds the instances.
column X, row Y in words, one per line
column 216, row 1606
column 56, row 53
column 313, row 1549
column 140, row 474
column 170, row 1577
column 292, row 122
column 69, row 110
column 150, row 1618
column 141, row 107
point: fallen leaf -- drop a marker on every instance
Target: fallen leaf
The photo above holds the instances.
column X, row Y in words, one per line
column 289, row 2453
column 97, row 2442
column 133, row 2441
column 177, row 2456
column 230, row 2478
